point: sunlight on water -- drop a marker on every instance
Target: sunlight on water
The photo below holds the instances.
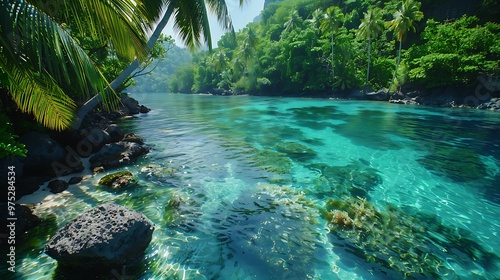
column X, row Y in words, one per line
column 274, row 188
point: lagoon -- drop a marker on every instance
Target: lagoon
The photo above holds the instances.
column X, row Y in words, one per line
column 244, row 187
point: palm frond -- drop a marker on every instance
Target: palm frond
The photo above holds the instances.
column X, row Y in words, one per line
column 120, row 21
column 38, row 94
column 32, row 42
column 219, row 8
column 191, row 20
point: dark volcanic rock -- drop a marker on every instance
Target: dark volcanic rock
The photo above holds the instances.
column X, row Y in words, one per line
column 115, row 133
column 75, row 180
column 117, row 154
column 131, row 106
column 57, row 186
column 143, row 109
column 46, row 157
column 29, row 185
column 107, row 235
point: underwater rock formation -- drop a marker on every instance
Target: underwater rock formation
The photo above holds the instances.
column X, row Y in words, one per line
column 296, row 151
column 118, row 180
column 291, row 253
column 355, row 179
column 416, row 245
column 117, row 154
column 106, row 235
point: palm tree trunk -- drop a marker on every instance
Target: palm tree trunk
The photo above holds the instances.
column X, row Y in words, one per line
column 333, row 59
column 114, row 85
column 369, row 59
column 397, row 65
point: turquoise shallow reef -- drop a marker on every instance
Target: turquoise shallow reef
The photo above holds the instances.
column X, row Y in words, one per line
column 282, row 188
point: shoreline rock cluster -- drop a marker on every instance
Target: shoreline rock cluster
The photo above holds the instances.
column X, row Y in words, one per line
column 106, row 235
column 477, row 96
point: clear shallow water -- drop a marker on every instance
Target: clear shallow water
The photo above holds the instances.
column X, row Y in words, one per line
column 273, row 188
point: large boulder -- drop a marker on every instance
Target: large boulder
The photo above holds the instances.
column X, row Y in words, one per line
column 117, row 154
column 46, row 157
column 105, row 236
column 115, row 133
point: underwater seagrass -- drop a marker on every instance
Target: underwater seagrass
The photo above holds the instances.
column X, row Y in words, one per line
column 414, row 245
column 288, row 254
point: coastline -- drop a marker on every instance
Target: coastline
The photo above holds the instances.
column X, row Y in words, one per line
column 483, row 94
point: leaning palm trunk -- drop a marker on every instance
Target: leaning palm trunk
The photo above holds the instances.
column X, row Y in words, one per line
column 333, row 60
column 397, row 65
column 114, row 85
column 369, row 59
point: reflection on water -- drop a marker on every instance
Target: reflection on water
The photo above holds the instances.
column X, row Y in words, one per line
column 274, row 188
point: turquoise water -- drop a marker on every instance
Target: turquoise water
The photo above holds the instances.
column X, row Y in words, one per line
column 282, row 188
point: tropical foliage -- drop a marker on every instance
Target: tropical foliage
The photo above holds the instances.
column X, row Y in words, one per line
column 312, row 47
column 46, row 70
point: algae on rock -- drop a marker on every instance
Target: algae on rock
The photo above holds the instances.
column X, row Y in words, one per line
column 118, row 180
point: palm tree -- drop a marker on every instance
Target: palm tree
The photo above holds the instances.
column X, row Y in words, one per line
column 294, row 21
column 403, row 21
column 331, row 22
column 45, row 67
column 249, row 44
column 219, row 60
column 190, row 19
column 370, row 27
column 316, row 17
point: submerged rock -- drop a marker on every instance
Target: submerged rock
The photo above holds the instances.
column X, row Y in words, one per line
column 271, row 161
column 106, row 235
column 118, row 180
column 355, row 179
column 75, row 180
column 296, row 151
column 291, row 251
column 412, row 244
column 117, row 154
column 458, row 164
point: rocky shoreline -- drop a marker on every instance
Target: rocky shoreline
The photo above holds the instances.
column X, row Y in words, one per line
column 100, row 146
column 484, row 94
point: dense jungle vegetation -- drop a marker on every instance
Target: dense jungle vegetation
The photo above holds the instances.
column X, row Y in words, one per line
column 303, row 46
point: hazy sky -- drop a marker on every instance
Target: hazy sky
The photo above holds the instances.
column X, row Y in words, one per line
column 240, row 16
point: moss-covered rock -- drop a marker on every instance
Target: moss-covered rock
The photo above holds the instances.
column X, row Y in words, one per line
column 118, row 180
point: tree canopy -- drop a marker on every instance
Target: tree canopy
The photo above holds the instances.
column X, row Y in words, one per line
column 295, row 54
